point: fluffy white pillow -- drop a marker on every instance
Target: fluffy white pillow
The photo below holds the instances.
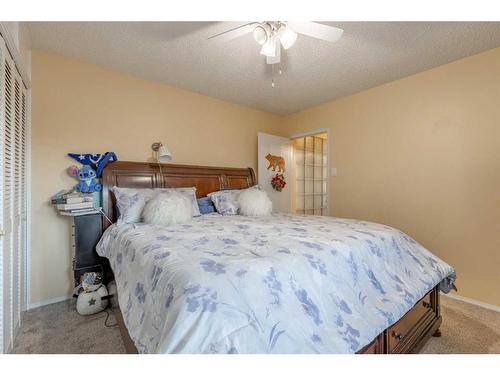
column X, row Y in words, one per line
column 168, row 209
column 254, row 202
column 131, row 201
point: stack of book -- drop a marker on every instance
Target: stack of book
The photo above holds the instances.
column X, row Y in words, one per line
column 74, row 204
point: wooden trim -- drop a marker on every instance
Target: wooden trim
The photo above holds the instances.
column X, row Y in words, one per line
column 127, row 341
column 375, row 347
column 427, row 325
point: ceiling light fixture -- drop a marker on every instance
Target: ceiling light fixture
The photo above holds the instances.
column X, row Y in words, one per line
column 287, row 36
column 272, row 35
column 269, row 47
column 261, row 33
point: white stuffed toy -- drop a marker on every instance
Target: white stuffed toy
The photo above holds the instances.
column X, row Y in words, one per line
column 92, row 302
column 90, row 293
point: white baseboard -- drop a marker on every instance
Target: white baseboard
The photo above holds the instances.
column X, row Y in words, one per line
column 472, row 301
column 47, row 302
column 10, row 348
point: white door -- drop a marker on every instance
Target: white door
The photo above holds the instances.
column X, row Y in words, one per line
column 275, row 153
column 13, row 148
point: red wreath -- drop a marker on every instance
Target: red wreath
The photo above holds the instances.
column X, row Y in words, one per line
column 278, row 182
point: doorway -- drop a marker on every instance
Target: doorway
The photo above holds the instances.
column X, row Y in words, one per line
column 305, row 164
column 310, row 161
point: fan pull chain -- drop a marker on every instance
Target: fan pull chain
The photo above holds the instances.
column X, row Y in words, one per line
column 273, row 85
column 280, row 72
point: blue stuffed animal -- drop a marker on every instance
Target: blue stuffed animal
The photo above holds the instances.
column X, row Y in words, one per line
column 86, row 175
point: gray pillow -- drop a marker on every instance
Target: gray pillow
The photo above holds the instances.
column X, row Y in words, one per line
column 226, row 201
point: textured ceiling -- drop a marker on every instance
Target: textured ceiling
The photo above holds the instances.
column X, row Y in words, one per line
column 314, row 72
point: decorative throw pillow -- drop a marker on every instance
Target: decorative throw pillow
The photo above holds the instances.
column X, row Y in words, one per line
column 168, row 208
column 226, row 201
column 206, row 206
column 254, row 202
column 131, row 201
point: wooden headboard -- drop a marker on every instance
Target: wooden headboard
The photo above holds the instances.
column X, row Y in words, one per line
column 148, row 175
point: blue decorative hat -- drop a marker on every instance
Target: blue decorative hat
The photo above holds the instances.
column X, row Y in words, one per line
column 96, row 161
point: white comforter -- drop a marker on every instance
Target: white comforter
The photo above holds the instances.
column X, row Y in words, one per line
column 278, row 284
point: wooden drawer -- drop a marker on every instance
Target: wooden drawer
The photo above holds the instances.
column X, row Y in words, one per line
column 375, row 347
column 401, row 335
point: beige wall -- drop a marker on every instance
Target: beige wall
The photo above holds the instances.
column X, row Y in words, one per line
column 79, row 107
column 423, row 154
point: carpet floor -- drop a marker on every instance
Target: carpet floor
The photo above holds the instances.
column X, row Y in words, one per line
column 58, row 328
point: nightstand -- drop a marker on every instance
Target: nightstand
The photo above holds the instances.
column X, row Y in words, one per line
column 86, row 232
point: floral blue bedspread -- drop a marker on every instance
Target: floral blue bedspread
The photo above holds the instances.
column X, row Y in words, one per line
column 277, row 284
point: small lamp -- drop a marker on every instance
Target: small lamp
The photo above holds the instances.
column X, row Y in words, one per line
column 162, row 152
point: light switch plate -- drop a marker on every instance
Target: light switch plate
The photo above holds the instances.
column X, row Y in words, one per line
column 333, row 172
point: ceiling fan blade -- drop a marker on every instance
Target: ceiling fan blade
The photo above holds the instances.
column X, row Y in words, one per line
column 317, row 30
column 277, row 54
column 233, row 33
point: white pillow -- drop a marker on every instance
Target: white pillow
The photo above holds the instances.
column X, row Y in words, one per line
column 131, row 201
column 254, row 202
column 167, row 208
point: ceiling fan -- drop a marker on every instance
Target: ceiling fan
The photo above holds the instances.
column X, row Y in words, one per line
column 272, row 35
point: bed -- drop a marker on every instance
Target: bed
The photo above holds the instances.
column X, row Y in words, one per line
column 276, row 284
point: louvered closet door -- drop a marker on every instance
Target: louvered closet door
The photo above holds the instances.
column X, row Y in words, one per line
column 2, row 221
column 23, row 196
column 13, row 143
column 8, row 235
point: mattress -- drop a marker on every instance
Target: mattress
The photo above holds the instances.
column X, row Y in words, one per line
column 277, row 284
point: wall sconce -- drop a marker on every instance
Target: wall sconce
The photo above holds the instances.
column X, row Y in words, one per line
column 162, row 152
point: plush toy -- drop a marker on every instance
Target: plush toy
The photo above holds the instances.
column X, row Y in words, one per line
column 92, row 302
column 91, row 294
column 86, row 175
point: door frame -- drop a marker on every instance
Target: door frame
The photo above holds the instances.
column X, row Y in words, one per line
column 328, row 159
